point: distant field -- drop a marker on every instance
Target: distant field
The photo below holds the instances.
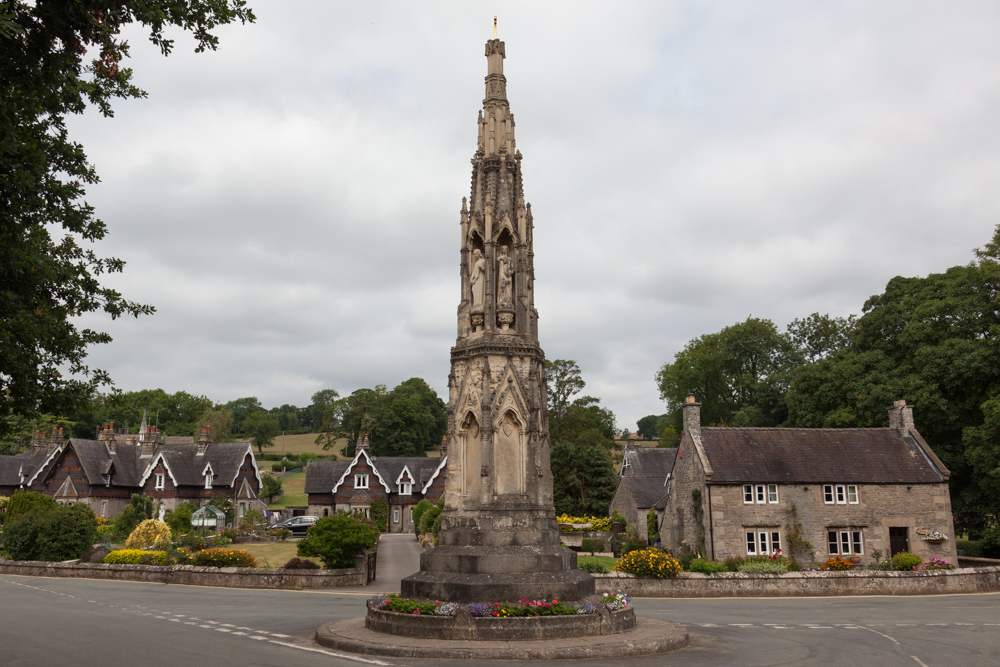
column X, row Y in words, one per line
column 294, row 487
column 304, row 442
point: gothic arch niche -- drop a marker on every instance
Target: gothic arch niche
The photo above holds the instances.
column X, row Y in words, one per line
column 505, row 279
column 477, row 280
column 508, row 455
column 472, row 454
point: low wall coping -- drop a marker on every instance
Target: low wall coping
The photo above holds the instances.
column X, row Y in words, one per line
column 229, row 577
column 801, row 584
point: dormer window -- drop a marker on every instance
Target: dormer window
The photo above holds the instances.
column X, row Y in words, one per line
column 159, row 486
column 405, row 488
column 208, row 480
column 361, row 481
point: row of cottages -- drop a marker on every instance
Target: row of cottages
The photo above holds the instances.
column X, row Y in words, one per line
column 644, row 478
column 847, row 492
column 399, row 481
column 104, row 473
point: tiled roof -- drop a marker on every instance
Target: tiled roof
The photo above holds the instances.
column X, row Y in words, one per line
column 321, row 476
column 649, row 462
column 647, row 492
column 10, row 467
column 816, row 455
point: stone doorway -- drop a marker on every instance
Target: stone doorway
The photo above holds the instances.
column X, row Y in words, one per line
column 898, row 540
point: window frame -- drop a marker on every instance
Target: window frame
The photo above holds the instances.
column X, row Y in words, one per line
column 395, row 515
column 854, row 540
column 828, row 496
column 760, row 542
column 209, row 477
column 775, row 496
column 840, row 493
column 852, row 489
column 406, row 488
column 748, row 494
column 159, row 482
column 760, row 494
column 361, row 480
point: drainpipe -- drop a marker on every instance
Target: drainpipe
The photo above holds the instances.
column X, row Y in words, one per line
column 711, row 531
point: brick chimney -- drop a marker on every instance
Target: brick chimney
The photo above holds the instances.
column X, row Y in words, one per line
column 149, row 441
column 901, row 416
column 205, row 439
column 692, row 414
column 38, row 442
column 364, row 445
column 57, row 438
column 444, row 446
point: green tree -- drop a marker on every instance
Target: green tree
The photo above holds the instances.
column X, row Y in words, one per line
column 49, row 276
column 403, row 422
column 324, row 413
column 179, row 520
column 740, row 375
column 270, row 487
column 337, row 540
column 262, row 428
column 51, row 532
column 419, row 510
column 221, row 421
column 563, row 380
column 139, row 509
column 649, row 427
column 241, row 409
column 935, row 342
column 818, row 336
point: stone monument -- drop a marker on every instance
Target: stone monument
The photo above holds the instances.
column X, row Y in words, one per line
column 499, row 540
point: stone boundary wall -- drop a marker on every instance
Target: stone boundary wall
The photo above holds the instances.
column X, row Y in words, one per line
column 969, row 561
column 226, row 577
column 806, row 584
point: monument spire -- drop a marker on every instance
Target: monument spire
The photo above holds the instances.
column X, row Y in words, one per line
column 498, row 538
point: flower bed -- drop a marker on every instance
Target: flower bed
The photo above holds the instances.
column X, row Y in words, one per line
column 649, row 563
column 393, row 602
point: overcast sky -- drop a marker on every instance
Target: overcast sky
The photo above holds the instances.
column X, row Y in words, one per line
column 290, row 203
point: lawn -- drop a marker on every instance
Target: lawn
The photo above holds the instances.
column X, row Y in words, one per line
column 273, row 554
column 294, row 487
column 606, row 561
column 304, row 442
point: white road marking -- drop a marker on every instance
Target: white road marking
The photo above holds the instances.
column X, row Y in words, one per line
column 241, row 634
column 345, row 656
column 884, row 635
column 257, row 637
column 223, row 630
column 742, row 625
column 919, row 661
column 227, row 625
column 207, row 627
column 275, row 634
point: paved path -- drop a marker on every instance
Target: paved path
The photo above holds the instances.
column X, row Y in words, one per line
column 52, row 622
column 398, row 557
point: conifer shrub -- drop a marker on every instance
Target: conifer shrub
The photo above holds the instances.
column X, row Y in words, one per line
column 419, row 510
column 147, row 534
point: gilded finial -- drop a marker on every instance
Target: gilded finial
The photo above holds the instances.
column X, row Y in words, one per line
column 494, row 26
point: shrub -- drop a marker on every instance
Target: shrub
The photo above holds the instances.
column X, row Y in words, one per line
column 970, row 548
column 649, row 563
column 652, row 529
column 195, row 542
column 137, row 557
column 49, row 532
column 430, row 522
column 300, row 564
column 380, row 515
column 706, row 566
column 733, row 563
column 281, row 533
column 904, row 560
column 592, row 544
column 148, row 533
column 277, row 467
column 764, row 566
column 223, row 558
column 26, row 502
column 337, row 539
column 270, row 486
column 179, row 519
column 989, row 546
column 419, row 510
column 138, row 510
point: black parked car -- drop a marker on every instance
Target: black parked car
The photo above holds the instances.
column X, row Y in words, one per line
column 297, row 524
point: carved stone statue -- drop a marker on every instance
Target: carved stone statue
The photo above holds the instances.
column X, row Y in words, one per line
column 478, row 279
column 505, row 273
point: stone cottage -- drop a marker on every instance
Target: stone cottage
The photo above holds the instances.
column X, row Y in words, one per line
column 104, row 473
column 644, row 483
column 352, row 486
column 847, row 492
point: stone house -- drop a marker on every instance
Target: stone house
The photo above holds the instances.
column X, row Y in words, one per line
column 352, row 486
column 104, row 473
column 644, row 483
column 848, row 491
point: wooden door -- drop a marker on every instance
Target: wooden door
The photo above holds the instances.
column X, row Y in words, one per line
column 898, row 540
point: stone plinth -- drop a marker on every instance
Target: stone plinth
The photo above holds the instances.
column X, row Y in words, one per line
column 498, row 574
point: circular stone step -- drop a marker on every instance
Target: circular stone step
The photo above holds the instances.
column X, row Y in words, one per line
column 650, row 636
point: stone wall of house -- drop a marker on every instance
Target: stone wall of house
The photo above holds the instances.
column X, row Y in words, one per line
column 679, row 525
column 625, row 505
column 880, row 506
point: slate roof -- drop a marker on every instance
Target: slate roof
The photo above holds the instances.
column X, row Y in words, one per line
column 321, row 476
column 95, row 459
column 649, row 462
column 10, row 467
column 647, row 492
column 187, row 466
column 816, row 455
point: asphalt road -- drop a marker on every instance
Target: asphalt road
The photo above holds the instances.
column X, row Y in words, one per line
column 88, row 623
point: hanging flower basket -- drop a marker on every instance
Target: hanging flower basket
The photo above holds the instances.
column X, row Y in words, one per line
column 935, row 538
